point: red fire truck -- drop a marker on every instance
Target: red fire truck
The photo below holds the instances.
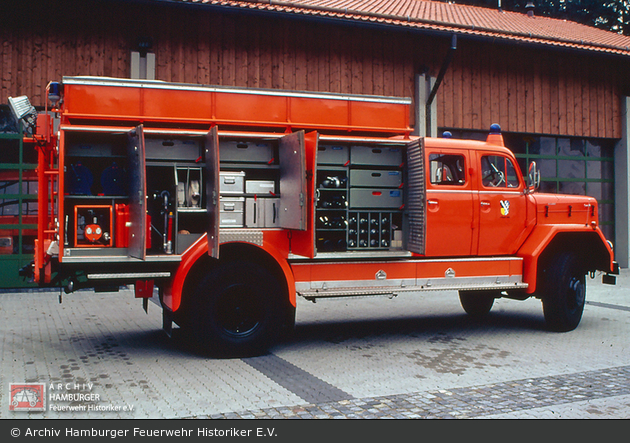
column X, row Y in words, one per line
column 233, row 202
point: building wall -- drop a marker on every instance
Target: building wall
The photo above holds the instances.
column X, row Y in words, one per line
column 525, row 89
column 532, row 90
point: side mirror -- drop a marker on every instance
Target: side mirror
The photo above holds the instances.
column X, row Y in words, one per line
column 533, row 178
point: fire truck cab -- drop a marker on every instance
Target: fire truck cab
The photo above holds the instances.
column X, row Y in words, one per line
column 233, row 202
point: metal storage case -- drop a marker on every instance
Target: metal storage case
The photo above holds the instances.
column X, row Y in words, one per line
column 231, row 212
column 263, row 187
column 232, row 204
column 232, row 182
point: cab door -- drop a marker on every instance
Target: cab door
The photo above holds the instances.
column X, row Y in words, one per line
column 449, row 203
column 502, row 204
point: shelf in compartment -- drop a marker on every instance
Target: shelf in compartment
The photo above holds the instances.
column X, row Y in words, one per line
column 231, row 166
column 95, row 155
column 242, row 194
column 192, row 210
column 95, row 197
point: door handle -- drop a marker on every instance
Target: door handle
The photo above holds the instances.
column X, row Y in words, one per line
column 485, row 203
column 432, row 202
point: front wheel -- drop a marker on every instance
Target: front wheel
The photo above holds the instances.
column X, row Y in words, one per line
column 564, row 293
column 237, row 309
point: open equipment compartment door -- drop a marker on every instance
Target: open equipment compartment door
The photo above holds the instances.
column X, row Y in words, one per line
column 415, row 216
column 303, row 242
column 137, row 194
column 212, row 190
column 293, row 183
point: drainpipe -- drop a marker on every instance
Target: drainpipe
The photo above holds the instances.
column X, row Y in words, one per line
column 435, row 87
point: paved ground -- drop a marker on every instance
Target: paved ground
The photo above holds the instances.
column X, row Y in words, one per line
column 413, row 356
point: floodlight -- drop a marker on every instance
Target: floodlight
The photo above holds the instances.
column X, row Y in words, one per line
column 23, row 110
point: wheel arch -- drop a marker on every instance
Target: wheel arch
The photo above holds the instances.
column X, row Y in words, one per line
column 590, row 249
column 265, row 256
column 589, row 246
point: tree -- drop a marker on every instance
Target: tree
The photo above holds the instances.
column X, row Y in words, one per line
column 612, row 15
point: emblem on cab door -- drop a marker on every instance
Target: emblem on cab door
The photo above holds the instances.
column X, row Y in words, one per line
column 505, row 208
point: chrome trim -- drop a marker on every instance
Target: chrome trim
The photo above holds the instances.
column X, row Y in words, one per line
column 121, row 129
column 368, row 140
column 352, row 254
column 419, row 260
column 500, row 192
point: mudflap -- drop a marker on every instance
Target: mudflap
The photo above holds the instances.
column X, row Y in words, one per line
column 167, row 322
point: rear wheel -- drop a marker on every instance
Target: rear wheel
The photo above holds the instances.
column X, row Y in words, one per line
column 237, row 309
column 477, row 304
column 564, row 293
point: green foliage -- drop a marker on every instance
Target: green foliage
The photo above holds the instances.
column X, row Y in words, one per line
column 612, row 15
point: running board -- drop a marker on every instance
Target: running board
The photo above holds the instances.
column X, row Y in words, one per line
column 130, row 275
column 313, row 294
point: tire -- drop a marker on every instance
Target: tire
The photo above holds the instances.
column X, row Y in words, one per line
column 477, row 304
column 563, row 293
column 237, row 310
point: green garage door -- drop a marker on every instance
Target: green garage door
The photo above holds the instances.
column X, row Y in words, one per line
column 18, row 208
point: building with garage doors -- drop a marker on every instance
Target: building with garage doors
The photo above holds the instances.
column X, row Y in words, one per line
column 558, row 89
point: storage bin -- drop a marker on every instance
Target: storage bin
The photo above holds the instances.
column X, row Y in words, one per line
column 375, row 178
column 246, row 151
column 169, row 149
column 376, row 156
column 377, row 198
column 336, row 155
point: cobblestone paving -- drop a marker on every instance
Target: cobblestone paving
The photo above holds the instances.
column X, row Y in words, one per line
column 475, row 402
column 416, row 356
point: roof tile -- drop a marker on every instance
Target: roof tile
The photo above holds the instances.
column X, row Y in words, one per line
column 449, row 17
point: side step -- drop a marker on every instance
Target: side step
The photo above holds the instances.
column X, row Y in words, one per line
column 321, row 293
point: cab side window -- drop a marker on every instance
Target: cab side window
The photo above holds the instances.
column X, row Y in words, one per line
column 447, row 169
column 498, row 172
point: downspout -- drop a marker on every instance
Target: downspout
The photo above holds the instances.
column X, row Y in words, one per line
column 445, row 64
